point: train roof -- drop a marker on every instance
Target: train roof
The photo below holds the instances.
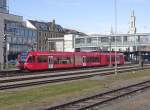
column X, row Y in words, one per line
column 62, row 53
column 70, row 53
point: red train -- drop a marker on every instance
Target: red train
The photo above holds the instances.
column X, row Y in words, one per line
column 58, row 60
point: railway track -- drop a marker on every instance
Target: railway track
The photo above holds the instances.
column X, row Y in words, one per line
column 96, row 101
column 59, row 74
column 16, row 72
column 12, row 73
column 38, row 79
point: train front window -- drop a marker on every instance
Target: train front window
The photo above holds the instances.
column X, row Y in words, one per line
column 31, row 59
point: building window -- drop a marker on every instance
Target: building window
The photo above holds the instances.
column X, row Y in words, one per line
column 118, row 39
column 125, row 39
column 78, row 41
column 29, row 40
column 26, row 33
column 94, row 40
column 9, row 39
column 17, row 32
column 89, row 40
column 34, row 34
column 40, row 34
column 104, row 39
column 30, row 33
column 14, row 40
column 45, row 34
column 99, row 39
column 22, row 32
column 20, row 40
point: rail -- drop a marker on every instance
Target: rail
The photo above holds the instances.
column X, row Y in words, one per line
column 102, row 98
column 24, row 81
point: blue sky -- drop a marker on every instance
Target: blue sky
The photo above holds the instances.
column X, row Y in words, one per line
column 89, row 16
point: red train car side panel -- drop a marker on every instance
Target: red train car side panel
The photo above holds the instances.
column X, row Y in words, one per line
column 54, row 60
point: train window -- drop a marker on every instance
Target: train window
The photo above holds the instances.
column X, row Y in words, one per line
column 42, row 59
column 33, row 58
column 92, row 59
column 63, row 60
column 56, row 60
column 30, row 59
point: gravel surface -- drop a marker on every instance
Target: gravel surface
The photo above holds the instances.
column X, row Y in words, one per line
column 138, row 101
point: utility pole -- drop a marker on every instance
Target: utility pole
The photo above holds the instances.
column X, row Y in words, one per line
column 110, row 60
column 140, row 53
column 115, row 15
column 5, row 46
column 110, row 51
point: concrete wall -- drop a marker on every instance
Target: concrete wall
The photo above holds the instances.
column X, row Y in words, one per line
column 69, row 43
column 59, row 46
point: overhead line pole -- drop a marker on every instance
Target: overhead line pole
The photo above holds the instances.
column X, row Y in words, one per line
column 115, row 15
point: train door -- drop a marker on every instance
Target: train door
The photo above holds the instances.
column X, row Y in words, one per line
column 50, row 62
column 118, row 59
column 84, row 60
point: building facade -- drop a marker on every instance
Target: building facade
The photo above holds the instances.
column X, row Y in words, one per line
column 3, row 17
column 19, row 38
column 3, row 6
column 15, row 37
column 50, row 35
column 125, row 42
column 69, row 39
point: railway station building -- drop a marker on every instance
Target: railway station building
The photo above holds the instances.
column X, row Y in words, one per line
column 130, row 44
